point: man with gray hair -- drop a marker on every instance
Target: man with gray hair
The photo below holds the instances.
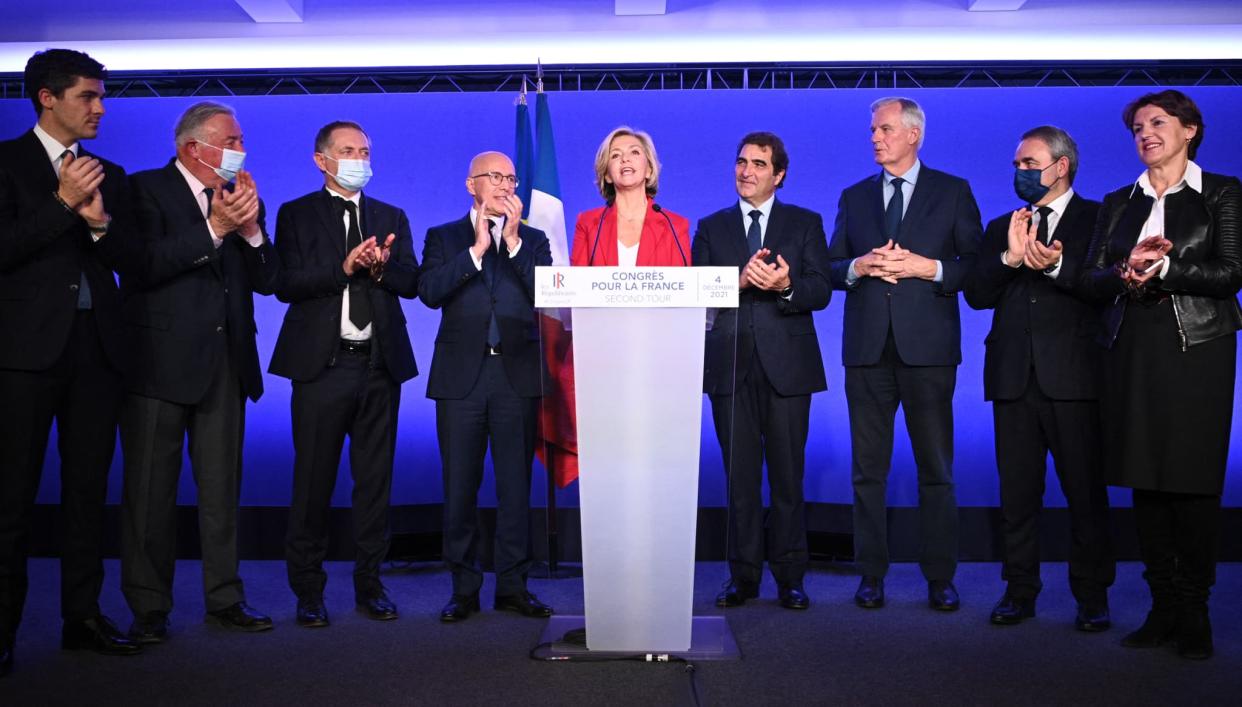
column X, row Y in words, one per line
column 201, row 252
column 1040, row 372
column 903, row 243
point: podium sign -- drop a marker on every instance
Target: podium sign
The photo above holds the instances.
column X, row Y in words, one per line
column 638, row 369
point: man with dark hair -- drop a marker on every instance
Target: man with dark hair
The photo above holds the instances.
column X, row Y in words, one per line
column 1042, row 373
column 63, row 213
column 485, row 379
column 202, row 253
column 762, row 365
column 903, row 244
column 347, row 260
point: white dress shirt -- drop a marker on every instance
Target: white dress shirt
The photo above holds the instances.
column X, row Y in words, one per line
column 348, row 330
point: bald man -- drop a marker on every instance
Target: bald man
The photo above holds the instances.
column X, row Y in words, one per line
column 485, row 378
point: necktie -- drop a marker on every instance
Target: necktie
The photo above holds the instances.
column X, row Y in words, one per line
column 892, row 213
column 489, row 267
column 1041, row 231
column 84, row 287
column 207, row 192
column 754, row 234
column 359, row 304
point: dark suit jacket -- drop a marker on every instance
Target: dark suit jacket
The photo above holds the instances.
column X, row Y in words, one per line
column 941, row 223
column 1038, row 321
column 450, row 281
column 44, row 249
column 310, row 239
column 187, row 302
column 781, row 332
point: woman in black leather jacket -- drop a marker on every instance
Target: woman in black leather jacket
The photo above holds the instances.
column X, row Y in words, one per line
column 1167, row 260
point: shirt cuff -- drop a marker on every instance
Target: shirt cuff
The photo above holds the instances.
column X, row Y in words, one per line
column 217, row 241
column 851, row 275
column 1055, row 269
column 478, row 262
column 516, row 248
column 256, row 240
column 1005, row 260
column 939, row 272
column 1164, row 269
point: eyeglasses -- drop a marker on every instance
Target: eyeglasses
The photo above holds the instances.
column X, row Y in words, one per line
column 497, row 178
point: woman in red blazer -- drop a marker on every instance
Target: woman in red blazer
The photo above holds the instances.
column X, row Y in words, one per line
column 631, row 229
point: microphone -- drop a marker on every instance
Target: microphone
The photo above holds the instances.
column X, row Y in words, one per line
column 656, row 208
column 600, row 227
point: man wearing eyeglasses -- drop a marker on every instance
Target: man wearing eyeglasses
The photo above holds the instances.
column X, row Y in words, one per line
column 348, row 260
column 485, row 378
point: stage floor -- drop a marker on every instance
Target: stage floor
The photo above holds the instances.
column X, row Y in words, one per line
column 834, row 653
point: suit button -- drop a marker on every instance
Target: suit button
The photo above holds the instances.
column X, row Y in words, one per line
column 73, row 287
column 1032, row 300
column 1026, row 331
column 219, row 330
column 888, row 294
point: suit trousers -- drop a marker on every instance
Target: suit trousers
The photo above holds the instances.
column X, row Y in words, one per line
column 355, row 399
column 1027, row 429
column 153, row 433
column 82, row 393
column 925, row 394
column 754, row 424
column 494, row 415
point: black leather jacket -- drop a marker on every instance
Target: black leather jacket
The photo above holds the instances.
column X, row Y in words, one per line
column 1205, row 264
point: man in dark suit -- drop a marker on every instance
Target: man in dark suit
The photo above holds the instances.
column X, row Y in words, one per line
column 62, row 217
column 345, row 347
column 1041, row 373
column 763, row 411
column 903, row 244
column 485, row 379
column 189, row 307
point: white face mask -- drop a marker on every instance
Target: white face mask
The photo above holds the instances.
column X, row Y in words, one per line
column 231, row 162
column 352, row 175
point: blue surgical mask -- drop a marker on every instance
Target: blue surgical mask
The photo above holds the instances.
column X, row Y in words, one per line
column 1028, row 185
column 231, row 162
column 352, row 175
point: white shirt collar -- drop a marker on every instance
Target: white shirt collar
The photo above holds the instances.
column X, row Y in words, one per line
column 1193, row 178
column 911, row 176
column 1059, row 204
column 765, row 208
column 195, row 186
column 52, row 146
column 356, row 198
column 500, row 221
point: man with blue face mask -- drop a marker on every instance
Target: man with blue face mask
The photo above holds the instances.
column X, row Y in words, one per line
column 348, row 261
column 1040, row 372
column 201, row 253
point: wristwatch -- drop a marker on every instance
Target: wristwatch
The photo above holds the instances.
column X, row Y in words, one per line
column 100, row 231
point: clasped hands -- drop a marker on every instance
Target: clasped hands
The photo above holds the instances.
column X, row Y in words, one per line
column 482, row 227
column 80, row 179
column 1143, row 264
column 890, row 262
column 1025, row 248
column 236, row 211
column 759, row 273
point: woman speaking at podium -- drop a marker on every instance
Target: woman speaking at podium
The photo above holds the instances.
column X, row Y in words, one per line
column 631, row 229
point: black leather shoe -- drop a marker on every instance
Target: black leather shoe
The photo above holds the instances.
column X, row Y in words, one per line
column 792, row 597
column 98, row 634
column 524, row 603
column 942, row 595
column 870, row 594
column 1194, row 633
column 1159, row 627
column 150, row 628
column 377, row 607
column 6, row 659
column 736, row 593
column 240, row 617
column 312, row 613
column 1011, row 610
column 1092, row 618
column 459, row 608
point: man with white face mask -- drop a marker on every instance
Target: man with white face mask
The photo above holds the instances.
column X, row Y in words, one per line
column 201, row 253
column 348, row 259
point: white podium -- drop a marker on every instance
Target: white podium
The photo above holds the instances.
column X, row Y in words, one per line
column 638, row 370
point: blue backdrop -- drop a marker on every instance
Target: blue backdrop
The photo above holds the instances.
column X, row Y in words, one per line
column 423, row 142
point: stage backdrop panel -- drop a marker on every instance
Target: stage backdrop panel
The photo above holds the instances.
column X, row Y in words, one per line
column 423, row 143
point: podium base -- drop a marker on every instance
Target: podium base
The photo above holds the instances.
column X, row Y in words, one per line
column 710, row 639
